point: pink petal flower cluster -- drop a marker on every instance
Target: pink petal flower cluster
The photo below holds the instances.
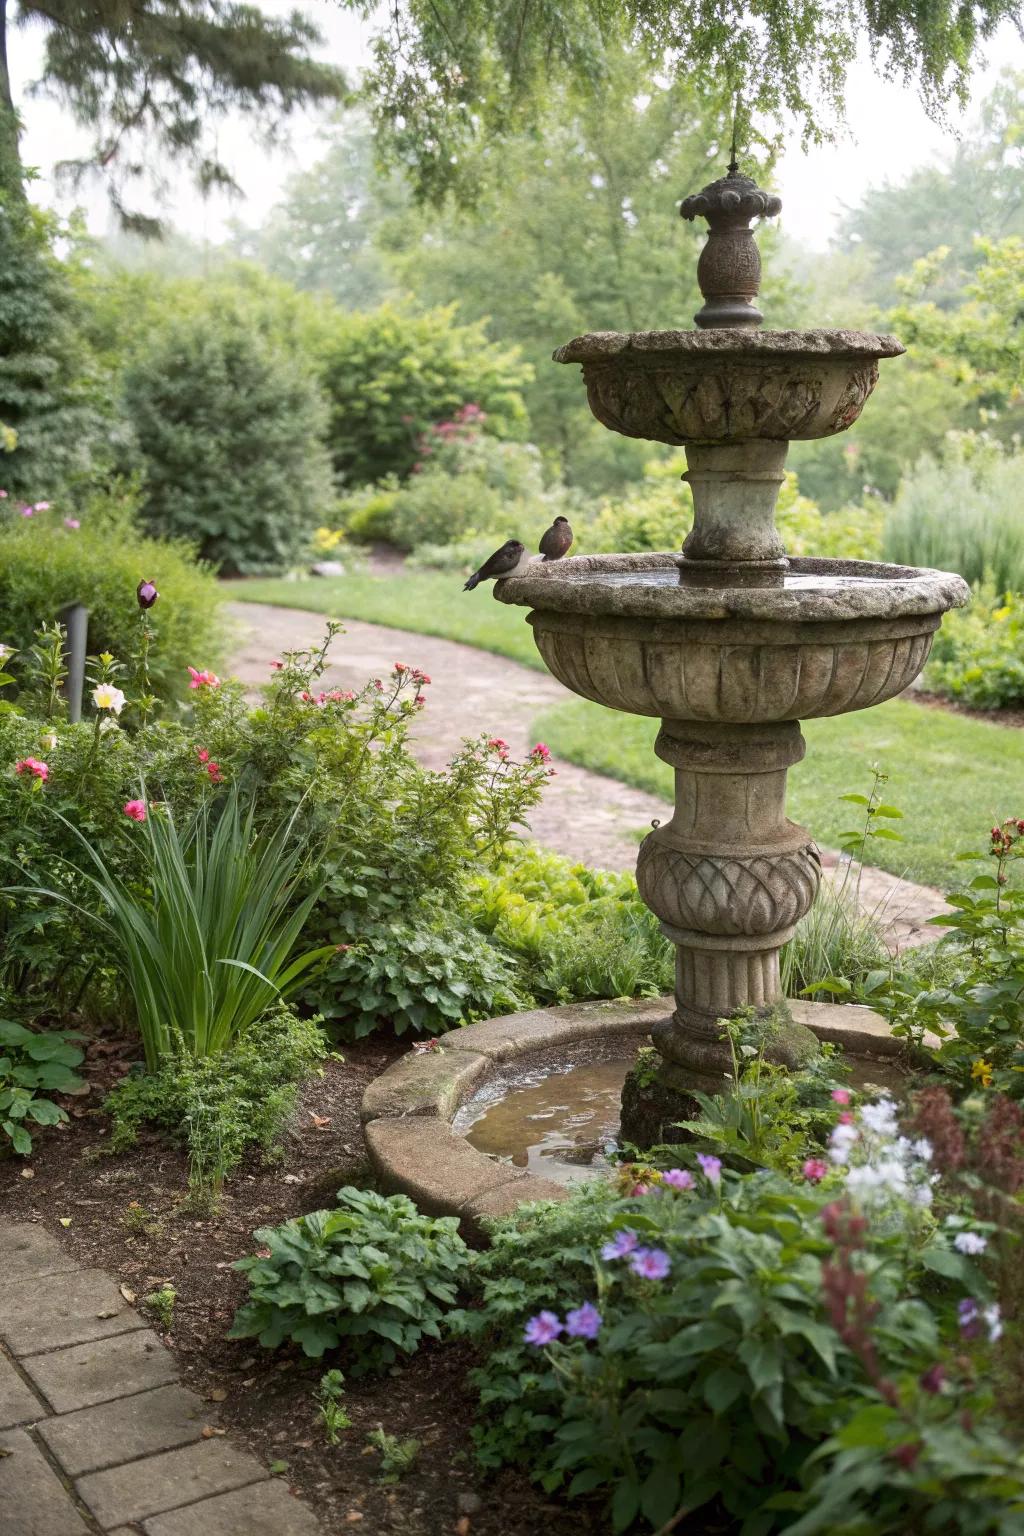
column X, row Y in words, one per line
column 540, row 752
column 135, row 810
column 814, row 1170
column 33, row 766
column 203, row 679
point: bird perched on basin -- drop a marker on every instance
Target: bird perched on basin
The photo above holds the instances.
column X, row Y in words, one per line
column 504, row 562
column 557, row 541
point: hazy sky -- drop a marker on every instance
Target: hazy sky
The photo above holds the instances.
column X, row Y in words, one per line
column 889, row 135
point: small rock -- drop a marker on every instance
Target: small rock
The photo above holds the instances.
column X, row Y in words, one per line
column 469, row 1503
column 327, row 568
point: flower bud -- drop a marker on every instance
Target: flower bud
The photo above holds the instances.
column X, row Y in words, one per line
column 147, row 594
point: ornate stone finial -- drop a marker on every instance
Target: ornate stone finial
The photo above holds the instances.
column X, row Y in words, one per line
column 729, row 269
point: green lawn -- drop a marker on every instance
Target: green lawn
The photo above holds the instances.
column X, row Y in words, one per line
column 952, row 777
column 425, row 602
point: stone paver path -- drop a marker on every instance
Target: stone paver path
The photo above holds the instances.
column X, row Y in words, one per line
column 584, row 815
column 97, row 1435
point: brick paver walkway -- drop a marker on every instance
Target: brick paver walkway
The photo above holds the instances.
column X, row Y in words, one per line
column 96, row 1433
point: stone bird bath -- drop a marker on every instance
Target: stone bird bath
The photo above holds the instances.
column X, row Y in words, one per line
column 728, row 642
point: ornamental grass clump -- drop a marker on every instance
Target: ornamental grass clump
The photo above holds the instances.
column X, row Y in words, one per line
column 210, row 945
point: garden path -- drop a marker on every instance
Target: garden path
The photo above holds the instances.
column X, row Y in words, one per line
column 583, row 815
column 97, row 1435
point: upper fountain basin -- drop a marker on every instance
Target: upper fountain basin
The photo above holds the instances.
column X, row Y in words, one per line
column 728, row 386
column 832, row 636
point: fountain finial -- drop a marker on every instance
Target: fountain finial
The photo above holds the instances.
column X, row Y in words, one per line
column 729, row 269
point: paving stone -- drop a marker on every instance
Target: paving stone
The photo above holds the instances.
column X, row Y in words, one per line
column 120, row 1431
column 63, row 1309
column 18, row 1405
column 160, row 1483
column 266, row 1510
column 27, row 1249
column 96, row 1372
column 33, row 1499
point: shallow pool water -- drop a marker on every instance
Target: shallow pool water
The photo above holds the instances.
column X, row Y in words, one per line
column 558, row 1123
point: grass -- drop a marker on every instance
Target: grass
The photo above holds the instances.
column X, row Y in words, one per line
column 951, row 776
column 425, row 602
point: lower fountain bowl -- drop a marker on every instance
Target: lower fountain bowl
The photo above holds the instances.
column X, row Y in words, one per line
column 833, row 636
column 413, row 1113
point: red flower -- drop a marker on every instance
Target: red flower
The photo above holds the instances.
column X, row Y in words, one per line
column 216, row 777
column 33, row 766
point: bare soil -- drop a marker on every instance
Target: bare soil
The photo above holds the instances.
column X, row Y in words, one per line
column 266, row 1398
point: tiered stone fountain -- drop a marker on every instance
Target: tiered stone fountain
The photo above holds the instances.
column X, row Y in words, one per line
column 730, row 644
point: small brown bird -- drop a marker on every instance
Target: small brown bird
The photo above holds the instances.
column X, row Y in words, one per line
column 558, row 540
column 503, row 562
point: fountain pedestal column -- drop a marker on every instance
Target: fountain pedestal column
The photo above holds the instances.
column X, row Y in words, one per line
column 729, row 877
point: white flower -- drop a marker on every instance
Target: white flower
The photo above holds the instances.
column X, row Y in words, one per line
column 922, row 1194
column 993, row 1317
column 970, row 1242
column 880, row 1117
column 922, row 1149
column 106, row 696
column 842, row 1139
column 5, row 651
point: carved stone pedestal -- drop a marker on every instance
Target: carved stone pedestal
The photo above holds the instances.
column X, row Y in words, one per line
column 729, row 877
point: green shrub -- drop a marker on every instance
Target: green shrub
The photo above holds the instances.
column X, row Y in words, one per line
column 711, row 1376
column 33, row 1064
column 577, row 933
column 45, row 566
column 392, row 373
column 978, row 655
column 220, row 1106
column 229, row 425
column 373, row 1276
column 961, row 512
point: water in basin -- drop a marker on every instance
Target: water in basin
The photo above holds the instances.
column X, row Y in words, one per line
column 668, row 576
column 557, row 1122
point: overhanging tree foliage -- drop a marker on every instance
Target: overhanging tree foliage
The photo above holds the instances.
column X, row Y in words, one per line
column 148, row 77
column 446, row 71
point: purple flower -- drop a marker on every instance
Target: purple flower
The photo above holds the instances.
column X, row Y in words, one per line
column 710, row 1166
column 542, row 1329
column 967, row 1313
column 622, row 1243
column 650, row 1263
column 678, row 1178
column 146, row 593
column 583, row 1322
column 72, row 522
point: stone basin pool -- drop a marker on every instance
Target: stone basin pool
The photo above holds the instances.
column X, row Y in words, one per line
column 560, row 1121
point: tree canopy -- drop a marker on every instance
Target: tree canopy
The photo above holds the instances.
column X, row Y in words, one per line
column 447, row 73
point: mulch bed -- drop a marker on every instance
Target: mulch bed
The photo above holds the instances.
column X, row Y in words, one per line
column 1011, row 717
column 267, row 1398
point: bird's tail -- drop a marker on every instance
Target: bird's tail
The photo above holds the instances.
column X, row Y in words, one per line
column 474, row 581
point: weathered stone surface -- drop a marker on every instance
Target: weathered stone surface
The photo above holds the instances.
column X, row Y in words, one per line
column 265, row 1510
column 28, row 1250
column 33, row 1500
column 63, row 1309
column 858, row 344
column 439, row 1170
column 858, row 1030
column 158, row 1483
column 126, row 1428
column 18, row 1405
column 98, row 1371
column 504, row 1200
column 426, row 1082
column 519, row 1034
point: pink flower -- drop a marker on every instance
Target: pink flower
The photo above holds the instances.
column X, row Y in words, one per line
column 3, row 495
column 277, row 665
column 203, row 679
column 213, row 769
column 420, row 699
column 401, row 667
column 26, row 511
column 42, row 506
column 846, row 1118
column 678, row 1178
column 814, row 1170
column 202, row 754
column 72, row 522
column 641, row 1189
column 840, row 1095
column 542, row 1329
column 650, row 1263
column 33, row 766
column 420, row 677
column 541, row 752
column 710, row 1166
column 135, row 810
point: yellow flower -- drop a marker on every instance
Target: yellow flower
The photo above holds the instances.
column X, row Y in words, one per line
column 981, row 1072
